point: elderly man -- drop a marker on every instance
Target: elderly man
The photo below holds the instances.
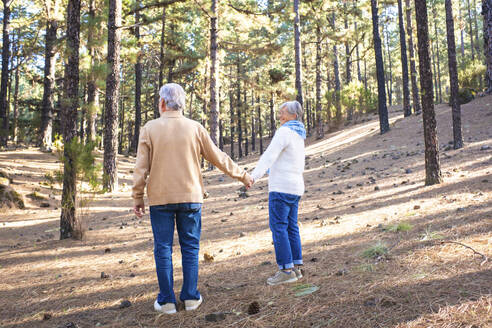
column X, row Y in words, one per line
column 168, row 162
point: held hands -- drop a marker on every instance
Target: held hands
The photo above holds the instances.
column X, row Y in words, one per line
column 249, row 181
column 139, row 210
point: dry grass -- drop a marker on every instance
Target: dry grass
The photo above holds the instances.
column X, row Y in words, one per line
column 420, row 282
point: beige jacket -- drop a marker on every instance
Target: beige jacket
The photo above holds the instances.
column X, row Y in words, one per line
column 168, row 161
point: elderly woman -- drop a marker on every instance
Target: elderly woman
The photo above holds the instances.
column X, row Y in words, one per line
column 168, row 162
column 284, row 158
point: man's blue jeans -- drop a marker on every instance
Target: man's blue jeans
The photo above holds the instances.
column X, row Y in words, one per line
column 188, row 218
column 282, row 209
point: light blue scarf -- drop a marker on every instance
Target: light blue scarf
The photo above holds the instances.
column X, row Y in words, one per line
column 297, row 127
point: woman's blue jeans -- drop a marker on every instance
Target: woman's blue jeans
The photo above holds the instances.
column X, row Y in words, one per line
column 282, row 209
column 188, row 217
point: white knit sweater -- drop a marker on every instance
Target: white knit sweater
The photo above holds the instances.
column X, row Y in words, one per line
column 285, row 159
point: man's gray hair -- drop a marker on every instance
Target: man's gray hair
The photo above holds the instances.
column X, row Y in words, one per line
column 293, row 107
column 173, row 95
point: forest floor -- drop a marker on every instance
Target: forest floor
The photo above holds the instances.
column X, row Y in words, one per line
column 363, row 190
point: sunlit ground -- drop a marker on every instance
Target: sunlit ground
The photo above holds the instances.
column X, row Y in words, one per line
column 359, row 185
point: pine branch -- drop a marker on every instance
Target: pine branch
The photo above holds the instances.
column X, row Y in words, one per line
column 153, row 5
column 485, row 258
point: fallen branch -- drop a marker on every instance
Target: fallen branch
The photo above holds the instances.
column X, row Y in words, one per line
column 485, row 258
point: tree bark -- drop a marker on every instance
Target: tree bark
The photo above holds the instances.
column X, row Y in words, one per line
column 407, row 111
column 48, row 84
column 232, row 124
column 214, row 105
column 260, row 129
column 472, row 47
column 138, row 84
column 390, row 73
column 320, row 131
column 297, row 47
column 110, row 179
column 272, row 116
column 347, row 53
column 382, row 109
column 239, row 110
column 161, row 62
column 16, row 93
column 432, row 165
column 245, row 123
column 253, row 130
column 462, row 32
column 336, row 74
column 4, row 119
column 438, row 63
column 453, row 77
column 92, row 90
column 413, row 69
column 70, row 225
column 487, row 36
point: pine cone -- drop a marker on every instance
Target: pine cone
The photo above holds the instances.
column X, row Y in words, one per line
column 254, row 308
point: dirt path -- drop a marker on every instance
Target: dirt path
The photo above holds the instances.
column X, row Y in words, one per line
column 360, row 186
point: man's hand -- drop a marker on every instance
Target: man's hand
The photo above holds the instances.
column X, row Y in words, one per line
column 249, row 181
column 139, row 210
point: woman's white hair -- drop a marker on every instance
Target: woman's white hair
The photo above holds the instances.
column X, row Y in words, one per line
column 173, row 95
column 293, row 107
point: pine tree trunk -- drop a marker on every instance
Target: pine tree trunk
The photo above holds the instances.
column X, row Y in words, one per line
column 245, row 124
column 272, row 116
column 432, row 165
column 70, row 226
column 328, row 87
column 413, row 69
column 121, row 118
column 48, row 85
column 437, row 55
column 462, row 32
column 487, row 36
column 138, row 84
column 433, row 52
column 336, row 73
column 260, row 130
column 383, row 110
column 453, row 77
column 347, row 53
column 472, row 47
column 390, row 73
column 16, row 97
column 239, row 110
column 232, row 124
column 92, row 90
column 365, row 75
column 4, row 119
column 320, row 132
column 297, row 47
column 407, row 111
column 83, row 114
column 214, row 105
column 477, row 40
column 253, row 126
column 359, row 75
column 161, row 62
column 110, row 179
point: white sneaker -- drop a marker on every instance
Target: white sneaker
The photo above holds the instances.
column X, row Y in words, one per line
column 168, row 308
column 298, row 272
column 191, row 305
column 282, row 277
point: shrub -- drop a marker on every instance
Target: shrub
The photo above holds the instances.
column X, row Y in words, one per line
column 470, row 75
